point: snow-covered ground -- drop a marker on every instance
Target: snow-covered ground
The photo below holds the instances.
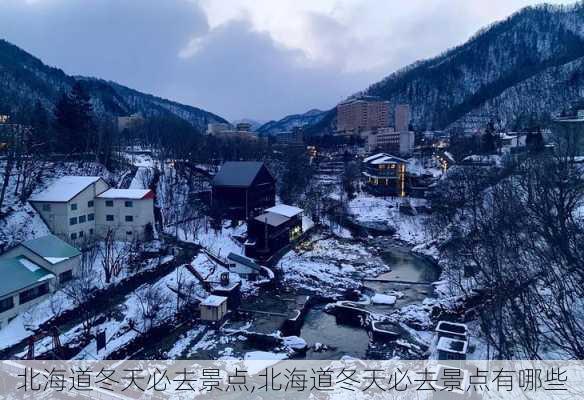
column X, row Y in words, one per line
column 329, row 264
column 383, row 213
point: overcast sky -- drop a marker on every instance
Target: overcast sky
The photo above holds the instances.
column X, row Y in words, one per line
column 260, row 59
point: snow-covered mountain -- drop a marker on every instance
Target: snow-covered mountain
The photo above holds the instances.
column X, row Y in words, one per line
column 24, row 80
column 527, row 66
column 292, row 121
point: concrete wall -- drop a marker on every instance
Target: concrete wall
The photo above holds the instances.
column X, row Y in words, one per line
column 20, row 308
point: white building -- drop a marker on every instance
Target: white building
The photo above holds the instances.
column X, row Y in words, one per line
column 388, row 139
column 407, row 143
column 76, row 208
column 126, row 212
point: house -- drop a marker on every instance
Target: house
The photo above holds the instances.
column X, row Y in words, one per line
column 241, row 189
column 213, row 308
column 24, row 284
column 125, row 212
column 50, row 253
column 273, row 230
column 78, row 208
column 385, row 174
column 244, row 267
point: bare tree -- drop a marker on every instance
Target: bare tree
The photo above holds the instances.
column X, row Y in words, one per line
column 153, row 304
column 113, row 255
column 80, row 289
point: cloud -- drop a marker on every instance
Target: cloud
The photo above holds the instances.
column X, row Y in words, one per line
column 238, row 68
column 244, row 58
column 135, row 42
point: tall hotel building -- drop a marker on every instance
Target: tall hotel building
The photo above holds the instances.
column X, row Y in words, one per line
column 362, row 114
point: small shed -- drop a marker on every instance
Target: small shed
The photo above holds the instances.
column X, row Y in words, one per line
column 213, row 308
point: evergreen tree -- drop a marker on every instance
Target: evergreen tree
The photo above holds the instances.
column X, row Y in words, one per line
column 489, row 141
column 74, row 121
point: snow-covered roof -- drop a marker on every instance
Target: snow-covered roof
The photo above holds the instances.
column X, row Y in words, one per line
column 19, row 273
column 214, row 301
column 374, row 156
column 272, row 219
column 134, row 194
column 285, row 210
column 387, row 159
column 51, row 248
column 243, row 260
column 65, row 188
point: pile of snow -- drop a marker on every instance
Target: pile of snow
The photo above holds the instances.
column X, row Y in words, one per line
column 379, row 298
column 294, row 343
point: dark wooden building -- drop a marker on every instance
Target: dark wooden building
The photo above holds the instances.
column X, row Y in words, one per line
column 242, row 189
column 273, row 230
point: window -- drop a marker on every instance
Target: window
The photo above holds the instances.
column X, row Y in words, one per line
column 91, row 231
column 73, row 236
column 66, row 276
column 109, row 217
column 34, row 293
column 80, row 234
column 81, row 219
column 73, row 206
column 129, row 218
column 109, row 203
column 46, row 207
column 129, row 233
column 90, row 203
column 6, row 304
column 90, row 217
column 129, row 203
column 73, row 221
